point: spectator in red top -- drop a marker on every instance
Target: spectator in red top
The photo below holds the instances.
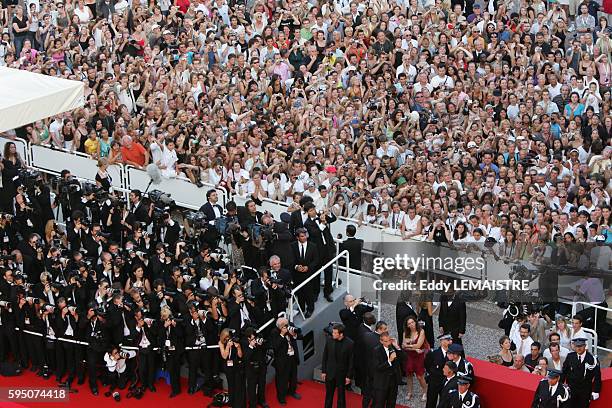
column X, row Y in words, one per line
column 183, row 5
column 134, row 153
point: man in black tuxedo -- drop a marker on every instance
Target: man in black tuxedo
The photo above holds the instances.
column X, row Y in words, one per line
column 145, row 339
column 139, row 212
column 352, row 315
column 319, row 232
column 278, row 272
column 551, row 392
column 354, row 246
column 337, row 368
column 270, row 298
column 248, row 213
column 365, row 342
column 450, row 383
column 434, row 364
column 95, row 336
column 386, row 372
column 452, row 317
column 169, row 231
column 298, row 217
column 280, row 245
column 306, row 258
column 212, row 210
column 582, row 373
column 403, row 310
column 196, row 330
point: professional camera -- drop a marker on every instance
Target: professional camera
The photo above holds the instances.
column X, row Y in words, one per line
column 218, row 274
column 262, row 233
column 48, row 308
column 196, row 220
column 161, row 199
column 372, row 104
column 30, row 178
column 69, row 185
column 4, row 303
column 294, row 331
column 234, row 336
column 169, row 293
column 330, row 328
column 34, row 300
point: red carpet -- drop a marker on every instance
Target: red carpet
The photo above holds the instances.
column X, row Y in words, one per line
column 313, row 395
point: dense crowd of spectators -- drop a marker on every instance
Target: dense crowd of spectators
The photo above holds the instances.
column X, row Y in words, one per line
column 440, row 120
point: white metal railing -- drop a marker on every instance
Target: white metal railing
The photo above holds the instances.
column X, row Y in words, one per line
column 334, row 261
column 595, row 346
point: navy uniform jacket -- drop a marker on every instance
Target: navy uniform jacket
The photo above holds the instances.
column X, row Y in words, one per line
column 465, row 368
column 585, row 376
column 543, row 398
column 470, row 400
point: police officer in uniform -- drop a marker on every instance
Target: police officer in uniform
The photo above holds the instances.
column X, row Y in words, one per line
column 254, row 355
column 462, row 397
column 551, row 392
column 582, row 374
column 434, row 364
column 464, row 367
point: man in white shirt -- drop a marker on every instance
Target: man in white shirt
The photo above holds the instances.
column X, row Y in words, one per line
column 442, row 80
column 116, row 363
column 169, row 160
column 524, row 341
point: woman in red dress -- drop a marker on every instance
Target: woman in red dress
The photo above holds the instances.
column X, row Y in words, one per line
column 415, row 345
column 607, row 6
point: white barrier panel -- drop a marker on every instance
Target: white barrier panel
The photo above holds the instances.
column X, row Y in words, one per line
column 20, row 144
column 79, row 165
column 369, row 233
column 182, row 191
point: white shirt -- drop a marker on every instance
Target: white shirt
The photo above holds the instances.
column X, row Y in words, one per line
column 117, row 365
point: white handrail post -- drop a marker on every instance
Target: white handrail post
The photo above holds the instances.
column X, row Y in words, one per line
column 291, row 308
column 348, row 271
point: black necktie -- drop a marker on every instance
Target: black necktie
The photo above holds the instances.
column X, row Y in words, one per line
column 302, row 251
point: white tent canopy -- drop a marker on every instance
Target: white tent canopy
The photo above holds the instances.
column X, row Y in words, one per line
column 26, row 97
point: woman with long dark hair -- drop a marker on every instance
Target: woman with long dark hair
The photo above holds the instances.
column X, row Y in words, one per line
column 416, row 346
column 11, row 164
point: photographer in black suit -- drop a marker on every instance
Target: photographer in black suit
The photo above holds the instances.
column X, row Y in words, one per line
column 169, row 231
column 283, row 341
column 212, row 210
column 337, row 368
column 95, row 336
column 354, row 246
column 319, row 232
column 254, row 357
column 352, row 314
column 139, row 211
column 280, row 244
column 386, row 372
column 306, row 257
